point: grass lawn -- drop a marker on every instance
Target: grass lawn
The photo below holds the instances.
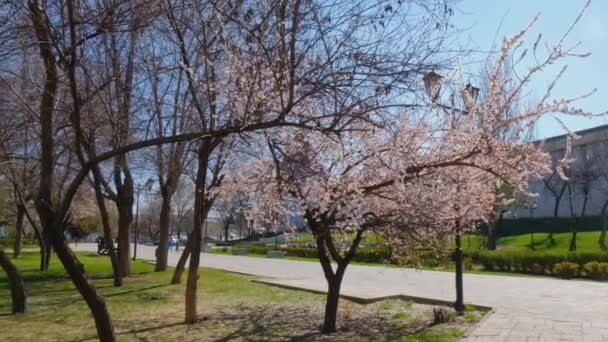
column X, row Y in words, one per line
column 585, row 242
column 231, row 308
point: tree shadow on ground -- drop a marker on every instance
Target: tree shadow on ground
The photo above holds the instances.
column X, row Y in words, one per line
column 134, row 331
column 303, row 323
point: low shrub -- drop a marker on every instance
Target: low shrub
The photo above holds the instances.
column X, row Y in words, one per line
column 533, row 262
column 596, row 270
column 566, row 269
column 468, row 263
column 367, row 255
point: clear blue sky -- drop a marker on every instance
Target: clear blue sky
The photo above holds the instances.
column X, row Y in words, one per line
column 487, row 21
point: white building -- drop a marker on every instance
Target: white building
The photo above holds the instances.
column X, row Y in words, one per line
column 587, row 178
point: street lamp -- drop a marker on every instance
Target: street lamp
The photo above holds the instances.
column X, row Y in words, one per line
column 470, row 93
column 432, row 84
column 469, row 96
column 531, row 206
column 459, row 303
column 147, row 186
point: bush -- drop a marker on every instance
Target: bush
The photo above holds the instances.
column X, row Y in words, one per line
column 596, row 270
column 467, row 263
column 367, row 255
column 533, row 262
column 566, row 269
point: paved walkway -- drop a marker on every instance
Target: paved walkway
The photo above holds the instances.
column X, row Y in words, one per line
column 525, row 308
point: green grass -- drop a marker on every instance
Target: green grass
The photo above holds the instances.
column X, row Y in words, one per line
column 585, row 242
column 146, row 307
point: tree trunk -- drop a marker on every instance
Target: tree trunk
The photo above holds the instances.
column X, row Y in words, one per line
column 124, row 244
column 331, row 306
column 573, row 221
column 181, row 264
column 96, row 303
column 491, row 243
column 572, row 247
column 226, row 231
column 19, row 231
column 192, row 280
column 577, row 222
column 602, row 239
column 163, row 224
column 196, row 238
column 201, row 209
column 42, row 242
column 107, row 229
column 46, row 248
column 15, row 282
column 558, row 200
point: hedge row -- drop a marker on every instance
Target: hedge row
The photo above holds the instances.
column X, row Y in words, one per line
column 533, row 262
column 368, row 255
column 593, row 265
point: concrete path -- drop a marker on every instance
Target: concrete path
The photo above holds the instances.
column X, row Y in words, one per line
column 525, row 308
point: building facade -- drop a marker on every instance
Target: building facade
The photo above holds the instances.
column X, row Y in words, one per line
column 585, row 192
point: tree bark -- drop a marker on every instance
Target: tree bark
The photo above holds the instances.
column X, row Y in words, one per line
column 15, row 282
column 19, row 231
column 333, row 297
column 107, row 229
column 200, row 203
column 558, row 200
column 96, row 303
column 125, row 216
column 573, row 220
column 491, row 243
column 163, row 224
column 226, row 231
column 181, row 264
column 46, row 248
column 602, row 239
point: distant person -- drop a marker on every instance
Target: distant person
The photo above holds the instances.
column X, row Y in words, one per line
column 177, row 245
column 170, row 245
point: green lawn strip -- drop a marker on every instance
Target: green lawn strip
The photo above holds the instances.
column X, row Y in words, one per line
column 147, row 307
column 585, row 242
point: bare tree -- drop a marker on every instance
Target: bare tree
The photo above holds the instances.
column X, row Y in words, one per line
column 584, row 173
column 228, row 210
column 169, row 105
column 556, row 186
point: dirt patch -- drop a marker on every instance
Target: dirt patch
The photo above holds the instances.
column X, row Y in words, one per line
column 386, row 320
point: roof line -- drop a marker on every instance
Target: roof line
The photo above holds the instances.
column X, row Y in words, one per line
column 581, row 132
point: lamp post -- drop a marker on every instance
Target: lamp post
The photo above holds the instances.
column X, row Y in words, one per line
column 531, row 206
column 147, row 186
column 459, row 303
column 469, row 94
column 432, row 86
